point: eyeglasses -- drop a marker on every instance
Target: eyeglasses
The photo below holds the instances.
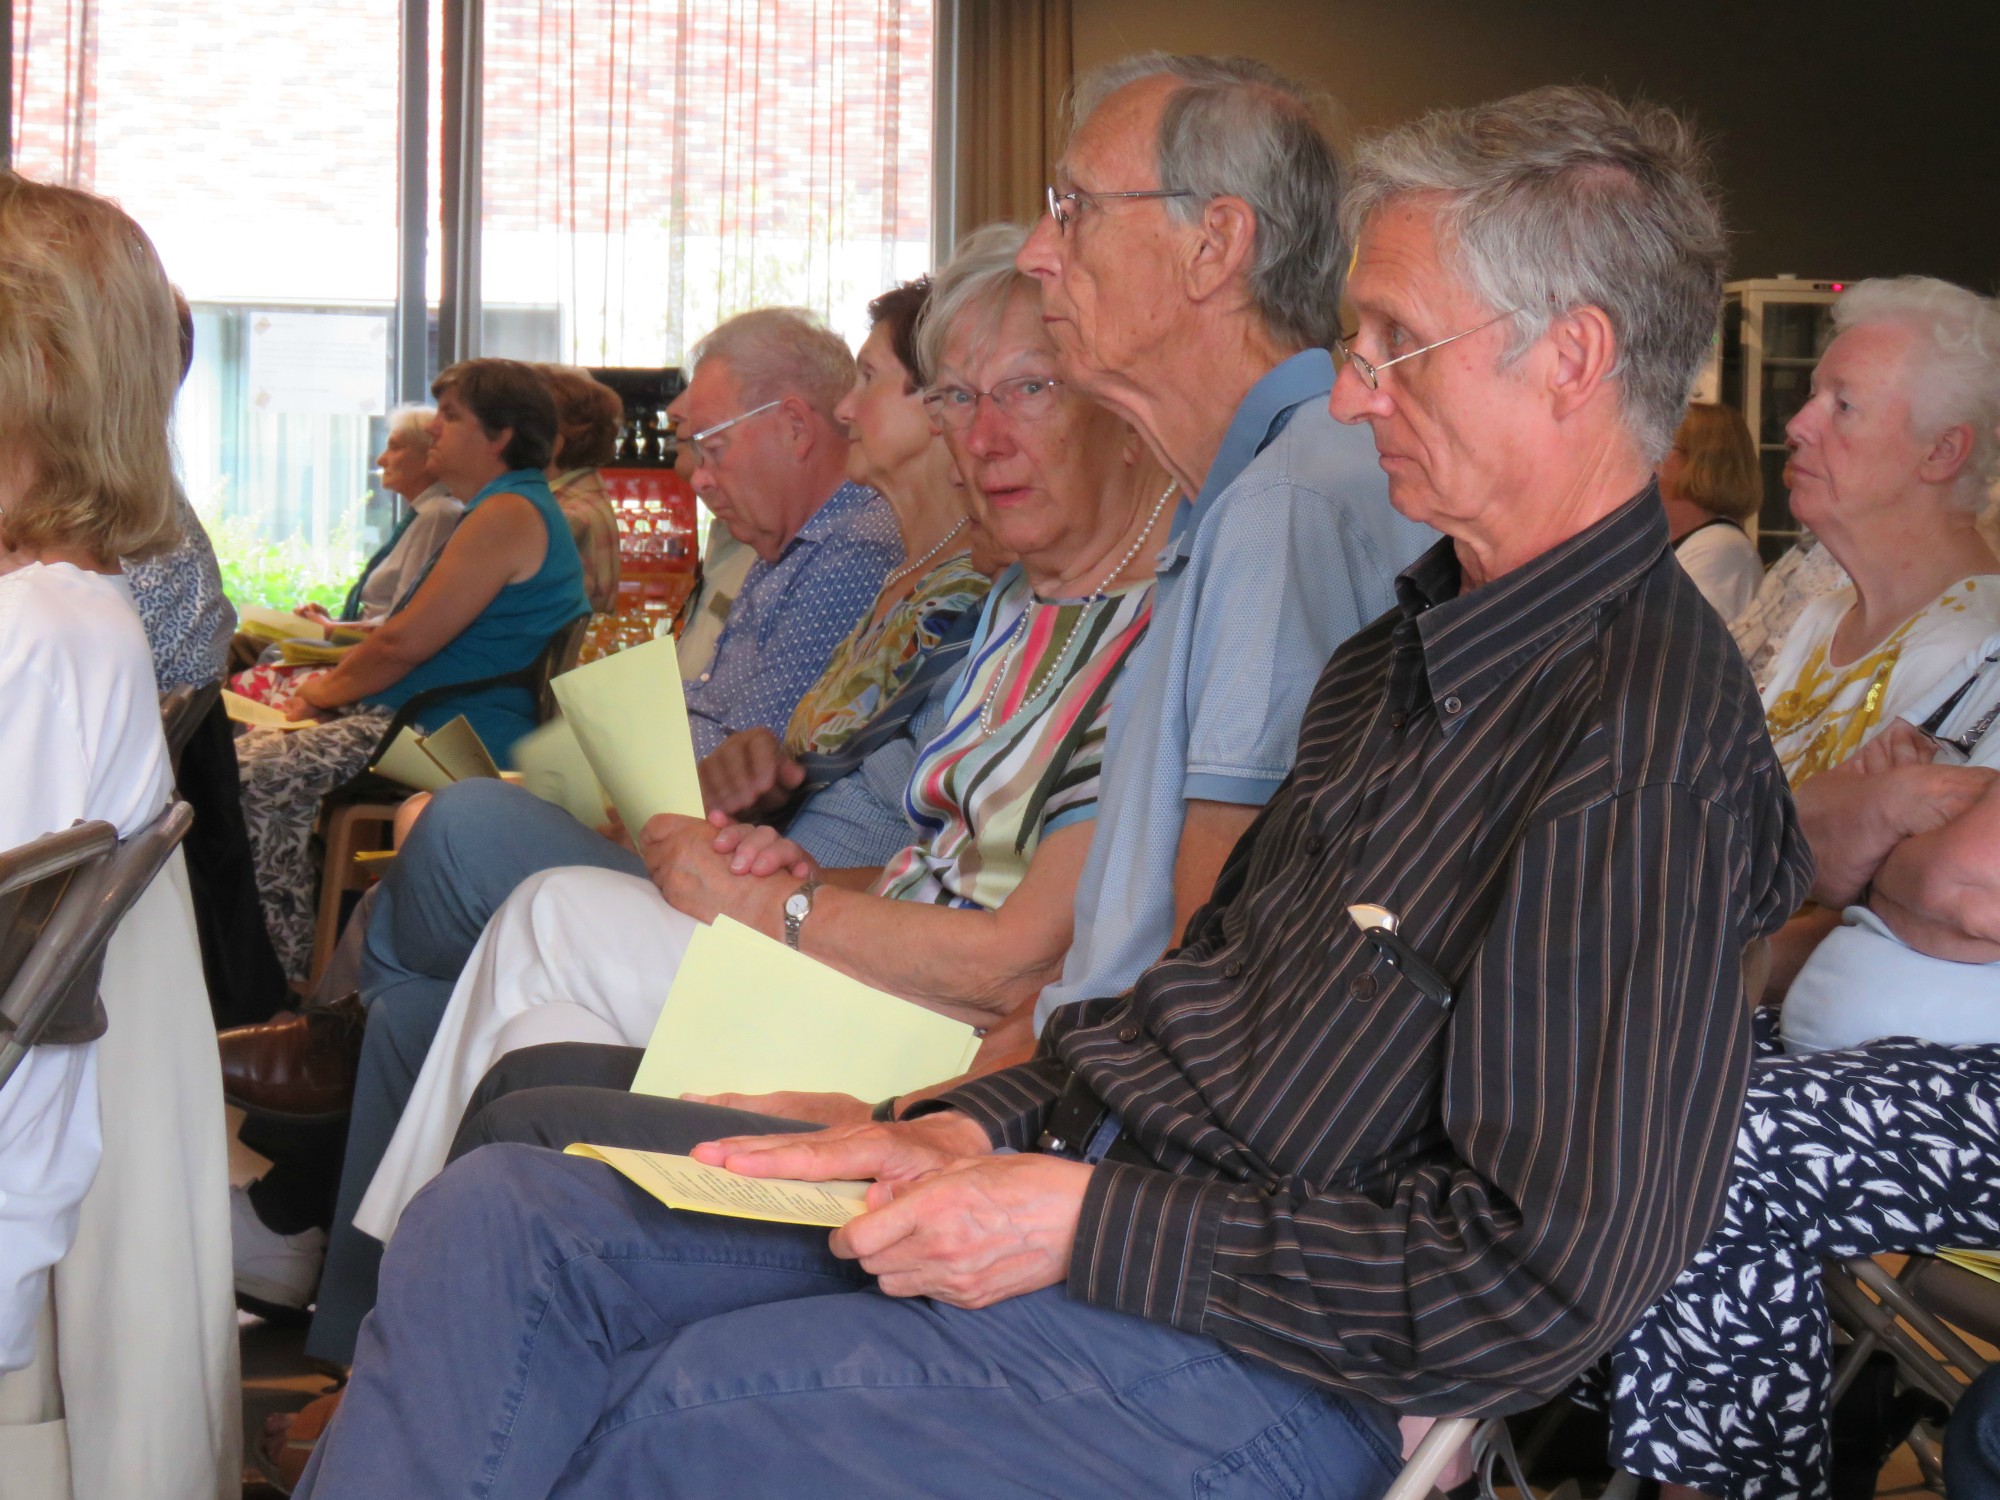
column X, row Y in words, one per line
column 708, row 454
column 1063, row 206
column 1371, row 374
column 1025, row 398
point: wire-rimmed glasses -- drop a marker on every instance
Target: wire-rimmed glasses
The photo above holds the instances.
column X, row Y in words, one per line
column 710, row 455
column 1025, row 398
column 1371, row 374
column 1063, row 206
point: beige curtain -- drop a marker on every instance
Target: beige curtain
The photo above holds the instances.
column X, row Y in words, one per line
column 1014, row 60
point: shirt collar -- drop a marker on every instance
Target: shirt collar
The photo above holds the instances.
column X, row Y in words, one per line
column 1265, row 408
column 1469, row 639
column 836, row 508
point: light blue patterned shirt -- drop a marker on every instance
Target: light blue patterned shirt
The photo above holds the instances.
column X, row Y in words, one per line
column 859, row 822
column 1290, row 548
column 791, row 614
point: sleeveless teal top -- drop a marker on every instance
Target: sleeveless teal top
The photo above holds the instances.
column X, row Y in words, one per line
column 507, row 635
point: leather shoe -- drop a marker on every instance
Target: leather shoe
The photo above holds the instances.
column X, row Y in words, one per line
column 299, row 1067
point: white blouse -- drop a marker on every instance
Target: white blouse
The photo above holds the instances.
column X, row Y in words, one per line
column 80, row 738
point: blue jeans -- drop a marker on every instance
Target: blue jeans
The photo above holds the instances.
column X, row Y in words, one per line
column 1972, row 1442
column 546, row 1328
column 474, row 844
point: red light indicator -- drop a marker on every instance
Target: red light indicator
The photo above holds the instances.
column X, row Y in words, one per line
column 1840, row 286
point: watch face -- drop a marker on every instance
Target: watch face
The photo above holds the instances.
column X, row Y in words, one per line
column 797, row 904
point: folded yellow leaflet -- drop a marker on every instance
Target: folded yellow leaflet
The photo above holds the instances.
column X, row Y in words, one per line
column 277, row 624
column 1980, row 1262
column 311, row 653
column 628, row 713
column 553, row 766
column 255, row 715
column 747, row 1015
column 682, row 1182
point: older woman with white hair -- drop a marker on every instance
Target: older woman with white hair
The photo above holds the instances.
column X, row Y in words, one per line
column 1892, row 456
column 430, row 515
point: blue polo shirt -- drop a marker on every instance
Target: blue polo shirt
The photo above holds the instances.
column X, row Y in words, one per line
column 789, row 616
column 1290, row 548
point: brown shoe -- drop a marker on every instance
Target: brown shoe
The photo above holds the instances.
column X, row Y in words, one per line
column 298, row 1067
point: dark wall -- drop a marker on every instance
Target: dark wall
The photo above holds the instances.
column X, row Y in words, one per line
column 1852, row 140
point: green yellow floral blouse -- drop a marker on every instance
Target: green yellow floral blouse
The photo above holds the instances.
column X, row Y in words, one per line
column 869, row 668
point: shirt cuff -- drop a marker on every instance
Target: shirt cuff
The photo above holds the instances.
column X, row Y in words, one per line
column 1011, row 1106
column 1145, row 1243
column 1248, row 791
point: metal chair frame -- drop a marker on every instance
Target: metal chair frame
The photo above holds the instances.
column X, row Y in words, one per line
column 1895, row 1319
column 61, row 898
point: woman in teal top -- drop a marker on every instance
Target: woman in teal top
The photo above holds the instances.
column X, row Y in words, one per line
column 508, row 579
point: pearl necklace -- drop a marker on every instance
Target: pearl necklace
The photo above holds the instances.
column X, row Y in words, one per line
column 1015, row 636
column 910, row 567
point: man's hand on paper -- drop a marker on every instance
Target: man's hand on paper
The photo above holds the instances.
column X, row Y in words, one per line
column 972, row 1234
column 809, row 1108
column 749, row 773
column 886, row 1153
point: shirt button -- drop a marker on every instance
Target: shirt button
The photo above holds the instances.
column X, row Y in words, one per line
column 1361, row 987
column 1314, row 843
column 1233, row 969
column 704, row 677
column 1395, row 721
column 1128, row 1033
column 1451, row 705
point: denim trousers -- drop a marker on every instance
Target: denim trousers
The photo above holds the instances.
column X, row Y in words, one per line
column 547, row 1328
column 1972, row 1442
column 474, row 844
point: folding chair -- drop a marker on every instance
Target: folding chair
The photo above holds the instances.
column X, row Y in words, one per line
column 61, row 898
column 1916, row 1317
column 181, row 709
column 371, row 799
column 1490, row 1446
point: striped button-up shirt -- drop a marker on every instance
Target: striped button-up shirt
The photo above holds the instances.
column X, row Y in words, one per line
column 1562, row 784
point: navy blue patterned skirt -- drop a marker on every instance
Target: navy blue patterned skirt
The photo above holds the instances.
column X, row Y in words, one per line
column 1724, row 1384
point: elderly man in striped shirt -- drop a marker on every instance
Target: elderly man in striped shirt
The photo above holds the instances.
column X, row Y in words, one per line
column 1439, row 1091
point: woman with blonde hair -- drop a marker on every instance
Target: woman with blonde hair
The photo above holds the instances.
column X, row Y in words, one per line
column 116, row 1309
column 1710, row 485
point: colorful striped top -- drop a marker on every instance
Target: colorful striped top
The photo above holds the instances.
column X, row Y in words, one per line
column 981, row 802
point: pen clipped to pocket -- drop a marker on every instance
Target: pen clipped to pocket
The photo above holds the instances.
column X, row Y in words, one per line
column 1379, row 926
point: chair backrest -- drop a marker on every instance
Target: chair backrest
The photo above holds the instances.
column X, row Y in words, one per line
column 61, row 898
column 181, row 709
column 561, row 654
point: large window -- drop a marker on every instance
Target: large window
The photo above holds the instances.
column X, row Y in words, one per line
column 648, row 167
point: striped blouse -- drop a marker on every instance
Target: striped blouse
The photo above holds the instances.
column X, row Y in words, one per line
column 981, row 802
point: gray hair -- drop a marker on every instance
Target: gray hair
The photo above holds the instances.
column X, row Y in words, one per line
column 412, row 423
column 1562, row 198
column 775, row 352
column 1235, row 128
column 975, row 282
column 1955, row 368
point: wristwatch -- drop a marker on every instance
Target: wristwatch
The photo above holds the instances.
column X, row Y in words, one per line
column 798, row 906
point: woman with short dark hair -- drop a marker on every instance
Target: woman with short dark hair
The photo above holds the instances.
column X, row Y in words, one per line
column 508, row 579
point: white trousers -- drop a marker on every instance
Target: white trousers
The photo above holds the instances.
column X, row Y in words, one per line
column 145, row 1389
column 574, row 955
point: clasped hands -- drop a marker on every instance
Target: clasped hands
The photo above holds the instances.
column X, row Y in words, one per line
column 946, row 1218
column 708, row 869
